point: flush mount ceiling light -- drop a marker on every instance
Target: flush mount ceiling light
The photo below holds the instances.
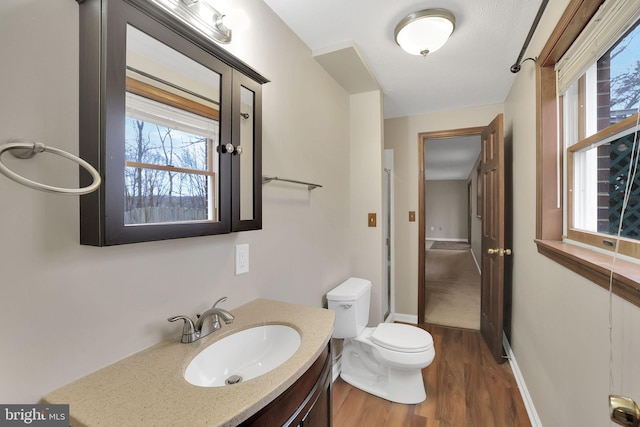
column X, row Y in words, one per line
column 425, row 32
column 199, row 15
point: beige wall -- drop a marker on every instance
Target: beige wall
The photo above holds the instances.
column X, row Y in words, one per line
column 446, row 210
column 366, row 194
column 560, row 334
column 401, row 135
column 66, row 309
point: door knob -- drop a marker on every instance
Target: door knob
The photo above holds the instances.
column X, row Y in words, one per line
column 500, row 252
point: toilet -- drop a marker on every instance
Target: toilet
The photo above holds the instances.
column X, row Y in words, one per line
column 386, row 360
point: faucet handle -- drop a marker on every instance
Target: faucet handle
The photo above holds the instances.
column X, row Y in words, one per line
column 223, row 299
column 188, row 329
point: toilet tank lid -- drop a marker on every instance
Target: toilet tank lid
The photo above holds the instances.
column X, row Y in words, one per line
column 350, row 289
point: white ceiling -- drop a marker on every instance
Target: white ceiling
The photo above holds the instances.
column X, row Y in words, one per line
column 353, row 40
column 471, row 69
column 451, row 158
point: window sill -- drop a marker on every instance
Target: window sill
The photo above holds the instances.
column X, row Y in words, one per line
column 596, row 267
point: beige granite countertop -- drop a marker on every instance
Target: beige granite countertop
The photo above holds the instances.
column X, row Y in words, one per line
column 149, row 389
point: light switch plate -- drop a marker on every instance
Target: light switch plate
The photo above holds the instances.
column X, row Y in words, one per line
column 372, row 220
column 242, row 258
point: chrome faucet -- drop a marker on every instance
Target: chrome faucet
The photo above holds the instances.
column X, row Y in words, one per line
column 207, row 322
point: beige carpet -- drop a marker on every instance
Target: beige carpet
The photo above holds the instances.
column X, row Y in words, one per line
column 452, row 294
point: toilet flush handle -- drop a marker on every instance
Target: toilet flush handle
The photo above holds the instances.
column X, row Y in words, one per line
column 347, row 306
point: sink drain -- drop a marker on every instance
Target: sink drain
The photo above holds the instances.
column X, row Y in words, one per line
column 233, row 379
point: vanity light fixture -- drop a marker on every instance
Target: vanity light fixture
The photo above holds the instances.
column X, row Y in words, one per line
column 425, row 31
column 199, row 15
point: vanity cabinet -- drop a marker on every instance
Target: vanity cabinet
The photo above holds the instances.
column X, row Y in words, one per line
column 307, row 403
column 173, row 124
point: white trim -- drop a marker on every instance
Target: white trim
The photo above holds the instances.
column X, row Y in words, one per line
column 148, row 110
column 524, row 392
column 335, row 370
column 443, row 239
column 406, row 318
column 476, row 261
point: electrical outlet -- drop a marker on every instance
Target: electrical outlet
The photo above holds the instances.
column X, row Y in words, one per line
column 242, row 258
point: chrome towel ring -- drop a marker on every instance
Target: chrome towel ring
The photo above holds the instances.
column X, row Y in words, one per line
column 25, row 149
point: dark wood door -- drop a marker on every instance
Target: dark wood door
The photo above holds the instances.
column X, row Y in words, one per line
column 493, row 237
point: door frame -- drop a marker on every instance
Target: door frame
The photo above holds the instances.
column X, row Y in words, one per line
column 469, row 210
column 422, row 234
column 388, row 221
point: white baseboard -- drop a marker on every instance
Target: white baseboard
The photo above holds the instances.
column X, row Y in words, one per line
column 444, row 239
column 406, row 318
column 476, row 261
column 524, row 392
column 335, row 370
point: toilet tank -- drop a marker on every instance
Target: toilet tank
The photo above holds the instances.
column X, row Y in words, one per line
column 350, row 301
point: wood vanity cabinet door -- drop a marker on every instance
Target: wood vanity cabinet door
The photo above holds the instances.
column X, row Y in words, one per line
column 306, row 403
column 319, row 414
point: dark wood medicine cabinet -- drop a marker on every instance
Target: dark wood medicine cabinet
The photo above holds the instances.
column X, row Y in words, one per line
column 163, row 112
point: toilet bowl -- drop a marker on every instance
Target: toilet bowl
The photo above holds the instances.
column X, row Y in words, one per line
column 386, row 360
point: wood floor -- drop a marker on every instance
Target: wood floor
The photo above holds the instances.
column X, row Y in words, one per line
column 464, row 385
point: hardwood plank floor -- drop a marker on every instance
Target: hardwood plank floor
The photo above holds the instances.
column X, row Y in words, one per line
column 464, row 385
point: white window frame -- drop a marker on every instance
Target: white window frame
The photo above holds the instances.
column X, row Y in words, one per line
column 578, row 66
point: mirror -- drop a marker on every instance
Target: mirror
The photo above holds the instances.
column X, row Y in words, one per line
column 247, row 115
column 173, row 124
column 171, row 132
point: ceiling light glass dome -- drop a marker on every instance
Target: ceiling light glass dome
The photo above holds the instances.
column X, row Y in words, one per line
column 425, row 32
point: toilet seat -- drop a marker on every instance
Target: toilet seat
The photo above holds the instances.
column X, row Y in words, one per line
column 402, row 338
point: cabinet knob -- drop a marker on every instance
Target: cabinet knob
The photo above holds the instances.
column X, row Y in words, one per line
column 229, row 148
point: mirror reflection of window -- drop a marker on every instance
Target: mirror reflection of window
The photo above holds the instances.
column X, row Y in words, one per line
column 171, row 135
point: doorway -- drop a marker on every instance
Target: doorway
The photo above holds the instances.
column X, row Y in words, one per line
column 436, row 167
column 494, row 206
column 449, row 229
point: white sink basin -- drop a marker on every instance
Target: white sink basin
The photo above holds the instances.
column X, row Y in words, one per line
column 243, row 355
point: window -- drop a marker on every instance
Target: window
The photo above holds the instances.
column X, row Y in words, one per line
column 599, row 123
column 579, row 132
column 168, row 175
